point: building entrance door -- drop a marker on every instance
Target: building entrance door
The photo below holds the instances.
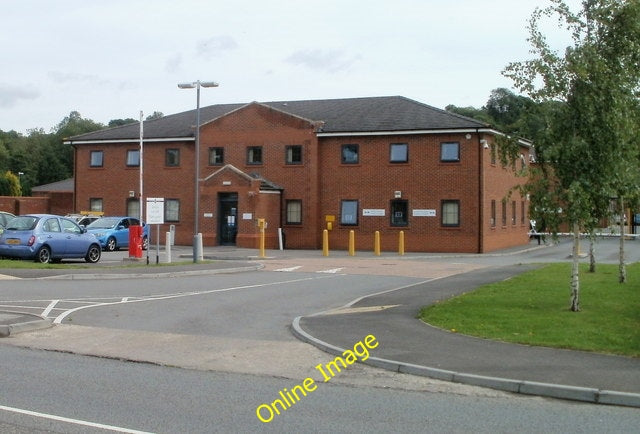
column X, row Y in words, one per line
column 228, row 220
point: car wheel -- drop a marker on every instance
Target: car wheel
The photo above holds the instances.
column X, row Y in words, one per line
column 93, row 254
column 145, row 243
column 111, row 245
column 44, row 255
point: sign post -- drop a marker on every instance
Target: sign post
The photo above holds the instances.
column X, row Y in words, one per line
column 155, row 216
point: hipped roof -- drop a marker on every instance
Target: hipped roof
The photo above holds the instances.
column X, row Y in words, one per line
column 349, row 115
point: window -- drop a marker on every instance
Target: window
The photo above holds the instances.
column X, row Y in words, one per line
column 70, row 227
column 522, row 212
column 216, row 156
column 294, row 212
column 493, row 154
column 51, row 225
column 493, row 213
column 349, row 212
column 513, row 212
column 97, row 159
column 172, row 210
column 172, row 157
column 254, row 155
column 133, row 157
column 399, row 153
column 95, row 204
column 133, row 207
column 399, row 213
column 504, row 212
column 450, row 151
column 350, row 154
column 294, row 154
column 450, row 213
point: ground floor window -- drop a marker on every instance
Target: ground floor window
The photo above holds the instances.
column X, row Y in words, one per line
column 493, row 213
column 95, row 204
column 294, row 212
column 172, row 210
column 399, row 213
column 133, row 207
column 349, row 212
column 450, row 212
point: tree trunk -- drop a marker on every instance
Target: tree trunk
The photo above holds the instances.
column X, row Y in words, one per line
column 622, row 275
column 592, row 254
column 575, row 276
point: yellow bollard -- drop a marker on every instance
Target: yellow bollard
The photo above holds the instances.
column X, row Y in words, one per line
column 325, row 243
column 401, row 243
column 262, row 252
column 352, row 243
column 376, row 244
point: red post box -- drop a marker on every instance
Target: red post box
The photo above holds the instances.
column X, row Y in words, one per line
column 135, row 241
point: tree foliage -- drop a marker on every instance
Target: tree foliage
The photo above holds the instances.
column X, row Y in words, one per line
column 42, row 157
column 588, row 150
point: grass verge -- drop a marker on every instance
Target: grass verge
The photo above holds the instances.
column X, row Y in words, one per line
column 533, row 309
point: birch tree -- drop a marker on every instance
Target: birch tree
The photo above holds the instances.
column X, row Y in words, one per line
column 590, row 143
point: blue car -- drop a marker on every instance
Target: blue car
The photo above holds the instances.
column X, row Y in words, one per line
column 47, row 238
column 113, row 232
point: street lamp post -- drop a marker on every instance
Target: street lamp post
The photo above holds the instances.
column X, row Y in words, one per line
column 197, row 236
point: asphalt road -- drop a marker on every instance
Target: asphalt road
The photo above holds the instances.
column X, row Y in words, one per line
column 216, row 347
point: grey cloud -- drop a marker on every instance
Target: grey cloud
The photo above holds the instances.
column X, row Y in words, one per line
column 10, row 95
column 215, row 45
column 323, row 60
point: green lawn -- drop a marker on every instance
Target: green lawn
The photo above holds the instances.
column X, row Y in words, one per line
column 533, row 308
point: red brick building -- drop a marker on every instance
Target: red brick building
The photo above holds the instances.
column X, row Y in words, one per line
column 385, row 164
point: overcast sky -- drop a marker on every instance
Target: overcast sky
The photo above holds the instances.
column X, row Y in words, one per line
column 113, row 59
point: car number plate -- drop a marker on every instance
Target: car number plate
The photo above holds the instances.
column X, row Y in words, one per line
column 13, row 241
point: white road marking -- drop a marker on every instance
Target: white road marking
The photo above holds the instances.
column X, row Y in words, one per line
column 289, row 268
column 331, row 271
column 73, row 421
column 49, row 308
column 63, row 315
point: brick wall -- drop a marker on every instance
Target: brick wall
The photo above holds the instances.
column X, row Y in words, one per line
column 321, row 182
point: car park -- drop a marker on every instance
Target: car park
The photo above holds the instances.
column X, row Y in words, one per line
column 113, row 232
column 47, row 238
column 85, row 218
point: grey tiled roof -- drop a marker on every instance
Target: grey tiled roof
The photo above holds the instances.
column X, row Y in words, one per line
column 359, row 115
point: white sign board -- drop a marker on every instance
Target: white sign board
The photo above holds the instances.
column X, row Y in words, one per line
column 424, row 212
column 373, row 212
column 155, row 210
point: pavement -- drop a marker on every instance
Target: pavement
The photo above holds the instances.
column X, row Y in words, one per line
column 405, row 344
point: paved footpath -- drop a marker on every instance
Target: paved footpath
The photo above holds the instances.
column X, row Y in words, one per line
column 408, row 345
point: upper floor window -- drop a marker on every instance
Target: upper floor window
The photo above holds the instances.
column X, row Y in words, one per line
column 294, row 154
column 450, row 151
column 172, row 157
column 216, row 156
column 133, row 157
column 350, row 154
column 97, row 159
column 254, row 155
column 399, row 153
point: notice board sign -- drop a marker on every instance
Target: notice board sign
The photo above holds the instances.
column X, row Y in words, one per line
column 155, row 210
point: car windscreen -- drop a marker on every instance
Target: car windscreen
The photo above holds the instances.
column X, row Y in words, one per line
column 104, row 223
column 22, row 223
